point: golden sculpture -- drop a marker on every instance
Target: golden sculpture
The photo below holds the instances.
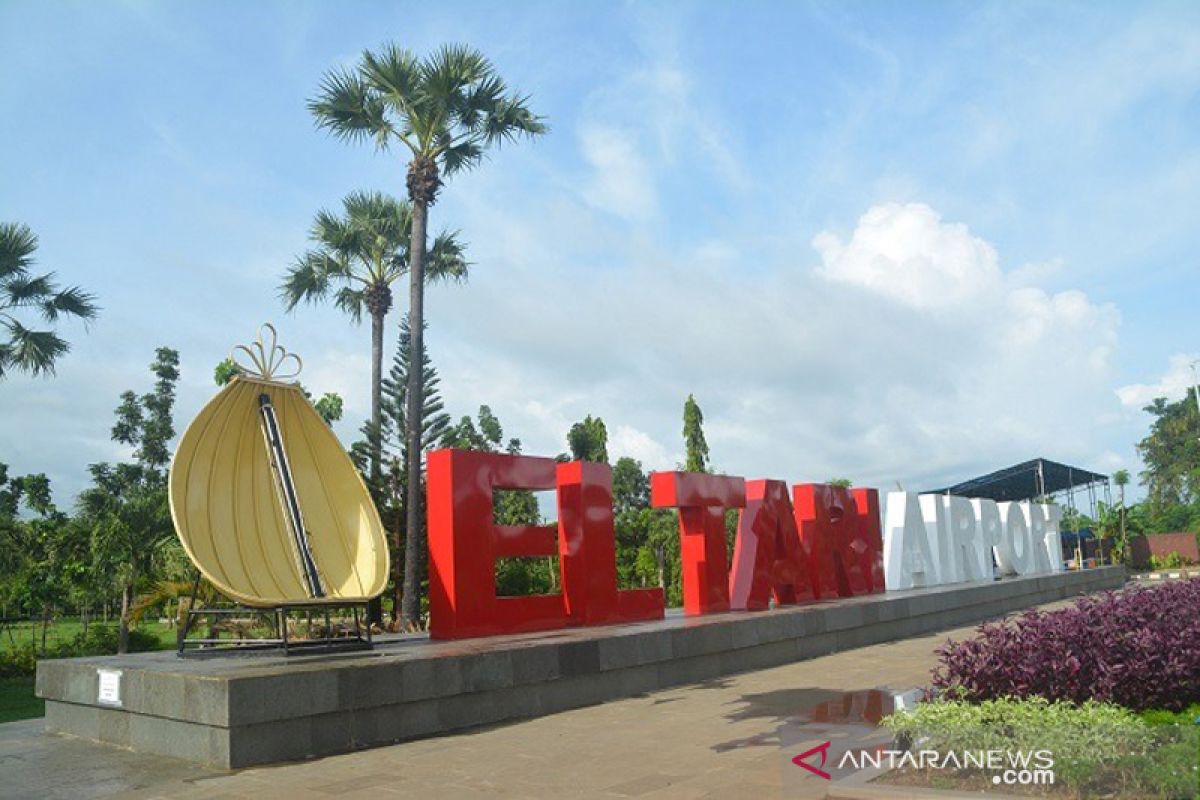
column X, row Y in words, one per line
column 265, row 500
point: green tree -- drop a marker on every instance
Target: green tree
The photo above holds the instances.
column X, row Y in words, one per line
column 34, row 569
column 125, row 508
column 1121, row 479
column 588, row 440
column 631, row 486
column 1171, row 453
column 24, row 349
column 435, row 423
column 693, row 437
column 445, row 110
column 357, row 257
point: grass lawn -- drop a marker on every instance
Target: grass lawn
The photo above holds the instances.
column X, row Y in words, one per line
column 16, row 693
column 65, row 629
column 17, row 700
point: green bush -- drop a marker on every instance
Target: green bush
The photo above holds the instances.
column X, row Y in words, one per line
column 99, row 640
column 18, row 662
column 1096, row 746
column 1172, row 560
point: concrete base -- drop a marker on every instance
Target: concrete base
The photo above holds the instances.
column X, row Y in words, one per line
column 238, row 711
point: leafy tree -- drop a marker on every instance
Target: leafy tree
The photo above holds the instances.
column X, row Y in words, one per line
column 1171, row 453
column 35, row 570
column 693, row 436
column 329, row 407
column 125, row 508
column 484, row 433
column 1121, row 479
column 24, row 349
column 357, row 257
column 393, row 439
column 843, row 483
column 445, row 110
column 631, row 486
column 588, row 440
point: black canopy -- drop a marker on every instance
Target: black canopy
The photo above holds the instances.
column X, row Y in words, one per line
column 1025, row 481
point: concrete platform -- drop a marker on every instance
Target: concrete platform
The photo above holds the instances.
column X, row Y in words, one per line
column 234, row 712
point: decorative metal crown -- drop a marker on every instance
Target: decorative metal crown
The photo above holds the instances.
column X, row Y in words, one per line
column 267, row 358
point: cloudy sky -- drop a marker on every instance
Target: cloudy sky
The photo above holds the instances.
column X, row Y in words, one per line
column 897, row 244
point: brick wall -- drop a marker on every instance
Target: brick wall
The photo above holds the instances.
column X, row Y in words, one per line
column 1161, row 544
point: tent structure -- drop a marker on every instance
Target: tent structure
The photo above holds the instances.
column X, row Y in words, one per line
column 1029, row 480
column 1039, row 479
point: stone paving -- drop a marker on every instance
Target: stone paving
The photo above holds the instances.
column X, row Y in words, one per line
column 727, row 738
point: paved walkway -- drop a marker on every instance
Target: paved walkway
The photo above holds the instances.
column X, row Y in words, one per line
column 729, row 738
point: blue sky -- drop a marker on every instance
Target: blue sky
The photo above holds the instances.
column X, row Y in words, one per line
column 901, row 243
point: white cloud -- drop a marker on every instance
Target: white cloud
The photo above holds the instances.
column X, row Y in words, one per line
column 800, row 377
column 1173, row 384
column 907, row 253
column 626, row 440
column 621, row 182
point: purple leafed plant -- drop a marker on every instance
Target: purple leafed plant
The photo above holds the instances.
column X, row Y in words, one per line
column 1139, row 647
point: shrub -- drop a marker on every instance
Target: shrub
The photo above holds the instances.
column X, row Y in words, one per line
column 1097, row 747
column 18, row 661
column 1172, row 560
column 100, row 640
column 1139, row 648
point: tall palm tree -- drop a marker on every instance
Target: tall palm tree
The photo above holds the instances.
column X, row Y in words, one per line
column 1121, row 479
column 357, row 257
column 23, row 349
column 445, row 110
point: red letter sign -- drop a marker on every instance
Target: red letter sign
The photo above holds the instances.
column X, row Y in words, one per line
column 464, row 544
column 829, row 525
column 769, row 556
column 867, row 503
column 701, row 500
column 586, row 542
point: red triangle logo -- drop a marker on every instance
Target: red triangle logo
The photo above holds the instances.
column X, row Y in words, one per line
column 823, row 749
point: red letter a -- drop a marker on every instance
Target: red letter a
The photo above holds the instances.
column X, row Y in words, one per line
column 768, row 557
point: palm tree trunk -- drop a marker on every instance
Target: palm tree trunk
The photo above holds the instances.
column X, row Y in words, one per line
column 375, row 606
column 397, row 548
column 413, row 404
column 376, row 392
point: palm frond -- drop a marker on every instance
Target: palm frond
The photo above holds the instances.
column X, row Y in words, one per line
column 24, row 289
column 32, row 351
column 461, row 157
column 352, row 301
column 452, row 68
column 447, row 259
column 308, row 280
column 472, row 106
column 18, row 243
column 347, row 107
column 72, row 301
column 394, row 75
column 510, row 119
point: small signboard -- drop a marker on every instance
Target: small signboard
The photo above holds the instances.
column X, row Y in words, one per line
column 109, row 692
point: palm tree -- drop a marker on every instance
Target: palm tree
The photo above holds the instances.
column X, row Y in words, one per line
column 445, row 109
column 27, row 350
column 357, row 258
column 1121, row 479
